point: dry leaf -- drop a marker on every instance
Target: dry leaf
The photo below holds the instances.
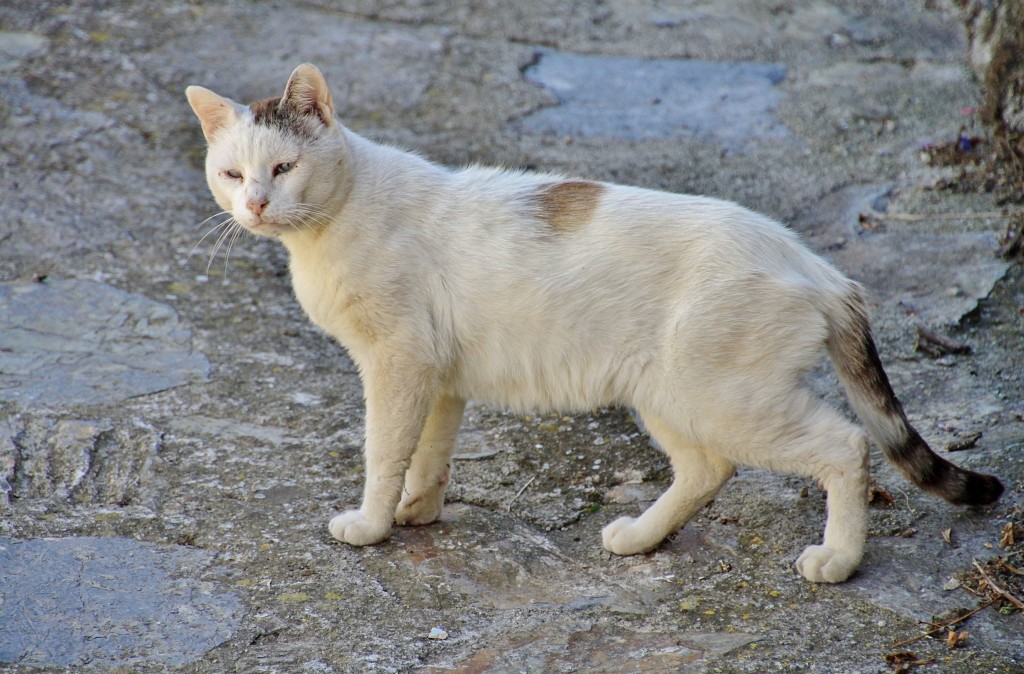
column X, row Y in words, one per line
column 1008, row 536
column 879, row 496
column 947, row 536
column 901, row 657
column 956, row 639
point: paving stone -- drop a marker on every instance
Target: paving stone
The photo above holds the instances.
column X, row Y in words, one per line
column 109, row 602
column 461, row 560
column 66, row 342
column 652, row 99
column 971, row 266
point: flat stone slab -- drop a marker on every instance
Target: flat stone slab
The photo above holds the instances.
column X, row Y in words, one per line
column 108, row 601
column 67, row 342
column 520, row 568
column 603, row 648
column 16, row 47
column 968, row 262
column 651, row 99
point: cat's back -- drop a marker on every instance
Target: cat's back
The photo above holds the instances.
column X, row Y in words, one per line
column 555, row 220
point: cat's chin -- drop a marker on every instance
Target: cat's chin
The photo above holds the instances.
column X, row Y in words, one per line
column 264, row 228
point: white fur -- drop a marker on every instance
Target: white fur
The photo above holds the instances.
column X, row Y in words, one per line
column 449, row 285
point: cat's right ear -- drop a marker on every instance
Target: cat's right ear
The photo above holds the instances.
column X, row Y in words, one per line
column 214, row 111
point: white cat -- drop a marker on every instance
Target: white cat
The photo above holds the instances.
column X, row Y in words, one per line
column 536, row 291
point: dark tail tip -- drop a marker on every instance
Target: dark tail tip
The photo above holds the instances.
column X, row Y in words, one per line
column 935, row 474
column 978, row 490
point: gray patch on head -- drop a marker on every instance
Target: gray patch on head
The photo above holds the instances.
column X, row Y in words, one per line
column 273, row 113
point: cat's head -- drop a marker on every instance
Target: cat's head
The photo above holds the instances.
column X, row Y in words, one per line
column 275, row 165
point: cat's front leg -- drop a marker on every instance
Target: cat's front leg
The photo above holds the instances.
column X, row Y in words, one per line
column 430, row 471
column 397, row 402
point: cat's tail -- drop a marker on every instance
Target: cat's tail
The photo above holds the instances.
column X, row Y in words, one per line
column 856, row 360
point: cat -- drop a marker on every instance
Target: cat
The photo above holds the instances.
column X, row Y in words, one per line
column 536, row 291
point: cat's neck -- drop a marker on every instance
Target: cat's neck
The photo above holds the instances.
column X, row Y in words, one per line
column 377, row 187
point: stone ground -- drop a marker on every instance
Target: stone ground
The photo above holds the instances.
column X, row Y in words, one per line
column 174, row 435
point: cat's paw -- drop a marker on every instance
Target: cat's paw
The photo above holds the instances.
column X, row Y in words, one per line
column 423, row 508
column 822, row 564
column 625, row 536
column 354, row 528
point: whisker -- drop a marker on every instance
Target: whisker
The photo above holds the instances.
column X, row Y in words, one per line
column 215, row 215
column 232, row 225
column 236, row 232
column 306, row 216
column 213, row 229
column 312, row 215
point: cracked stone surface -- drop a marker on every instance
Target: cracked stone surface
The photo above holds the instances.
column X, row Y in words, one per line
column 109, row 602
column 67, row 342
column 85, row 461
column 647, row 99
column 174, row 435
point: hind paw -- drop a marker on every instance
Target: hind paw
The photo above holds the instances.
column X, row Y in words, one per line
column 421, row 509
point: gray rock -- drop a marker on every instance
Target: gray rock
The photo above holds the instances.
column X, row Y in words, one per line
column 16, row 47
column 640, row 99
column 109, row 601
column 80, row 342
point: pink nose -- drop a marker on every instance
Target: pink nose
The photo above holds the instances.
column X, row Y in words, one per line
column 257, row 205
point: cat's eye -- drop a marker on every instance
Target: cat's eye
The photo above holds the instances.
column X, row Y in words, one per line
column 283, row 167
column 233, row 174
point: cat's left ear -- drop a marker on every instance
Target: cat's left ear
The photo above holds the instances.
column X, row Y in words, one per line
column 307, row 93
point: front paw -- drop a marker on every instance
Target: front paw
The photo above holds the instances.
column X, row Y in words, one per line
column 626, row 536
column 423, row 508
column 822, row 564
column 354, row 528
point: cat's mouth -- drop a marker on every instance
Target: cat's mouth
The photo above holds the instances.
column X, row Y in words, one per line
column 264, row 227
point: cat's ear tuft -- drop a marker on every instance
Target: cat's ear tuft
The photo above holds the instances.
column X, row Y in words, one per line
column 214, row 111
column 307, row 93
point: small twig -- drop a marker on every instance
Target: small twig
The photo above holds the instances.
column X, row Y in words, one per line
column 943, row 626
column 1012, row 569
column 474, row 456
column 967, row 442
column 1005, row 595
column 944, row 344
column 906, row 498
column 915, row 217
column 519, row 493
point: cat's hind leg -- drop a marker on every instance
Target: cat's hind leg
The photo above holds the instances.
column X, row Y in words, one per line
column 818, row 442
column 698, row 475
column 430, row 471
